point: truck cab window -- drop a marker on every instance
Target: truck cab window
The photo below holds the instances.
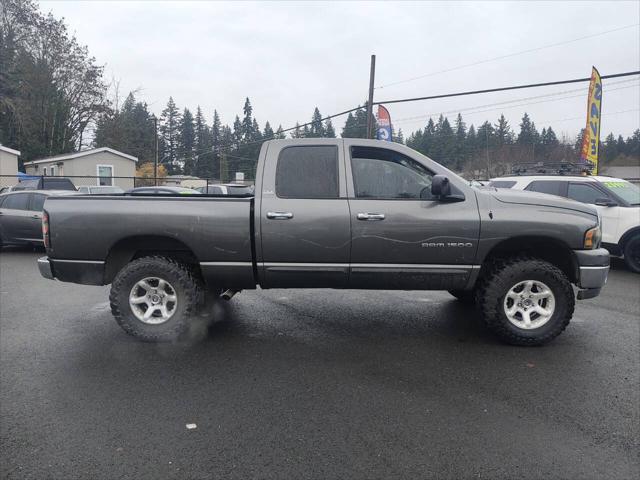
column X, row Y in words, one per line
column 307, row 172
column 382, row 173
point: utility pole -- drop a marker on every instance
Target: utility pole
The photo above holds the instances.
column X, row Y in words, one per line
column 372, row 75
column 155, row 143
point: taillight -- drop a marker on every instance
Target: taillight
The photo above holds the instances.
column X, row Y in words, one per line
column 45, row 230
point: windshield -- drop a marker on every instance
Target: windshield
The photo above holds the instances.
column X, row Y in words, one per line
column 627, row 191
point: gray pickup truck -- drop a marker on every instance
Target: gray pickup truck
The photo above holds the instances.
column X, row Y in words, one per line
column 333, row 213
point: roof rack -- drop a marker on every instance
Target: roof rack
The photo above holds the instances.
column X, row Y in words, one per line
column 552, row 168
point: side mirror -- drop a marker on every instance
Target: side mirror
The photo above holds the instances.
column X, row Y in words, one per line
column 605, row 202
column 440, row 186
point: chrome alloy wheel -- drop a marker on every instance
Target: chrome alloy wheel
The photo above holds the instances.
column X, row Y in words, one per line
column 529, row 304
column 153, row 300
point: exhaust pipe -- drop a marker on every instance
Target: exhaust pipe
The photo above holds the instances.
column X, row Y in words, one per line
column 228, row 294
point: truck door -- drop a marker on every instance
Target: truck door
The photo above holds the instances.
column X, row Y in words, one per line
column 400, row 239
column 304, row 216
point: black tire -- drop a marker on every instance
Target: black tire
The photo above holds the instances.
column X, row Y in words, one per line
column 500, row 276
column 468, row 297
column 632, row 253
column 182, row 281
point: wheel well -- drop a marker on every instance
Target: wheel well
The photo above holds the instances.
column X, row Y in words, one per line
column 130, row 248
column 627, row 235
column 551, row 250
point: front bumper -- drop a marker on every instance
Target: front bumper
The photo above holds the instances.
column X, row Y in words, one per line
column 593, row 270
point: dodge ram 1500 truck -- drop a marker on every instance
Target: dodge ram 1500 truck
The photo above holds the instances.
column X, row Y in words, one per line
column 333, row 213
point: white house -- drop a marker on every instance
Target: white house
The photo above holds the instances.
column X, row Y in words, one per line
column 100, row 166
column 8, row 166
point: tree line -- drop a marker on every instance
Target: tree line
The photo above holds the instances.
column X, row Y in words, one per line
column 54, row 99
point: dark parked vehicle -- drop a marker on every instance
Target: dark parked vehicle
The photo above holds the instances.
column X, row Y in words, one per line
column 334, row 213
column 227, row 189
column 163, row 190
column 21, row 216
column 45, row 183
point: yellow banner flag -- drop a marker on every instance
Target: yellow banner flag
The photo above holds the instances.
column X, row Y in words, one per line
column 591, row 138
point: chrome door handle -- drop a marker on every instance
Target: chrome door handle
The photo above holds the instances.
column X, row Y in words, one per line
column 371, row 216
column 279, row 215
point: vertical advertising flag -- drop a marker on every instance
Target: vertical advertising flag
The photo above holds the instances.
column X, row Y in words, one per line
column 591, row 138
column 384, row 124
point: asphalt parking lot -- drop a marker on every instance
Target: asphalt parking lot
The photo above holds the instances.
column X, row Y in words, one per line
column 313, row 384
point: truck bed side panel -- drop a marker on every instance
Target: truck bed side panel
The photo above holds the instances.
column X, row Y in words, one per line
column 216, row 230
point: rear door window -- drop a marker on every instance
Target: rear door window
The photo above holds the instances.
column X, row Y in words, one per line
column 19, row 201
column 551, row 187
column 308, row 172
column 585, row 193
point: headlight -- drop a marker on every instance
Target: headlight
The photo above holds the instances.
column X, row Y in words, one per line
column 592, row 238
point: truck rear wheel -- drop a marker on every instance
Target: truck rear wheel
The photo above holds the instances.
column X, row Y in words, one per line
column 154, row 298
column 632, row 253
column 525, row 301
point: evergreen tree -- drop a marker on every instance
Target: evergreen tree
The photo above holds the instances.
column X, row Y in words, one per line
column 247, row 122
column 528, row 134
column 503, row 133
column 632, row 147
column 609, row 148
column 169, row 130
column 356, row 124
column 256, row 135
column 268, row 132
column 216, row 145
column 297, row 132
column 187, row 140
column 399, row 138
column 329, row 131
column 238, row 132
column 317, row 128
column 203, row 147
column 280, row 134
column 460, row 148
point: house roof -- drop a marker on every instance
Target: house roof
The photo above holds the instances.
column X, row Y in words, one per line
column 83, row 153
column 9, row 150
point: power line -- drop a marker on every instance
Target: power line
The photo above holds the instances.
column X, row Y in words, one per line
column 503, row 89
column 473, row 111
column 460, row 67
column 521, row 99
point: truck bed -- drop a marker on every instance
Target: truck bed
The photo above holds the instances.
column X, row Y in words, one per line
column 217, row 230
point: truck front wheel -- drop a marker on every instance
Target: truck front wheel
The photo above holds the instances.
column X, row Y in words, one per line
column 525, row 301
column 154, row 298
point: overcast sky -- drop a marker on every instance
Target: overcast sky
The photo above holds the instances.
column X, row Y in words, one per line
column 290, row 57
